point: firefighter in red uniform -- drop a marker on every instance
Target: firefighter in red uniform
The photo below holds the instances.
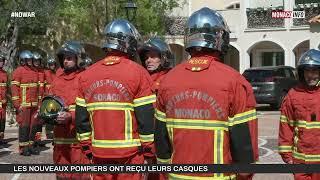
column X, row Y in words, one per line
column 67, row 149
column 3, row 97
column 210, row 118
column 38, row 68
column 299, row 120
column 49, row 76
column 115, row 97
column 50, row 73
column 157, row 58
column 25, row 99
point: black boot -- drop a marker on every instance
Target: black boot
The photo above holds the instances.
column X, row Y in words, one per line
column 34, row 150
column 25, row 151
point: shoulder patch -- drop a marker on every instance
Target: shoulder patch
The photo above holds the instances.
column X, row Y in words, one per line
column 198, row 64
column 110, row 60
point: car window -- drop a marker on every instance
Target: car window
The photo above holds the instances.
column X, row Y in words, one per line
column 258, row 75
column 280, row 73
column 289, row 73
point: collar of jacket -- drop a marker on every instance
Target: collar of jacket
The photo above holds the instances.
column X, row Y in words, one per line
column 303, row 88
column 158, row 74
column 201, row 61
column 114, row 58
column 70, row 76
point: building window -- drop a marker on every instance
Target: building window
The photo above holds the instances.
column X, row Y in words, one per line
column 272, row 58
column 234, row 6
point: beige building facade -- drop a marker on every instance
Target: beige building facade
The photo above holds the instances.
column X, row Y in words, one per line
column 257, row 39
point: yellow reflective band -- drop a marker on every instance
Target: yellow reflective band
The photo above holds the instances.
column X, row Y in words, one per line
column 307, row 124
column 24, row 92
column 24, row 143
column 29, row 85
column 25, row 104
column 197, row 124
column 184, row 177
column 15, row 83
column 144, row 100
column 41, row 84
column 306, row 157
column 160, row 115
column 147, row 138
column 242, row 117
column 84, row 136
column 109, row 106
column 284, row 119
column 116, row 143
column 72, row 107
column 80, row 102
column 218, row 149
column 65, row 141
column 163, row 161
column 39, row 97
column 15, row 98
column 128, row 125
column 283, row 149
column 3, row 84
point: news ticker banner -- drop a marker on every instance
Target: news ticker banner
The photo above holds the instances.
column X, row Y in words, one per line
column 161, row 168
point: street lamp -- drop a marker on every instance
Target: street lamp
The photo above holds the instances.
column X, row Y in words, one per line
column 131, row 10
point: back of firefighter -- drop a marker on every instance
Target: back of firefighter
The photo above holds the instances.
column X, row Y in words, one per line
column 210, row 118
column 3, row 97
column 67, row 149
column 38, row 68
column 49, row 76
column 25, row 100
column 299, row 122
column 157, row 58
column 115, row 98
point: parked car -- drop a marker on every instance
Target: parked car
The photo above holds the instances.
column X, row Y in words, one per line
column 271, row 83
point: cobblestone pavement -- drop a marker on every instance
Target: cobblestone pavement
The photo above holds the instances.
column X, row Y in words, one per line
column 268, row 134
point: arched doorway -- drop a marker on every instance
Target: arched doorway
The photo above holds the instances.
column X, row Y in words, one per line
column 300, row 48
column 266, row 53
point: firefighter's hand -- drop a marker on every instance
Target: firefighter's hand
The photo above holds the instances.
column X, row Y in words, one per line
column 64, row 118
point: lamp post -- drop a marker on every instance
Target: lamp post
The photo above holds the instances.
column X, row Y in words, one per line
column 131, row 10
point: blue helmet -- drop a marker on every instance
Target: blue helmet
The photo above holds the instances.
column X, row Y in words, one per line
column 206, row 28
column 310, row 59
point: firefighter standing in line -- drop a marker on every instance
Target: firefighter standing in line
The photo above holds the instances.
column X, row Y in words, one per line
column 25, row 99
column 157, row 58
column 210, row 118
column 299, row 121
column 67, row 149
column 49, row 76
column 38, row 68
column 3, row 97
column 115, row 97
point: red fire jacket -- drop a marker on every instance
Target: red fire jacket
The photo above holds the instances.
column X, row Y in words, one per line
column 205, row 115
column 116, row 94
column 299, row 126
column 3, row 88
column 25, row 87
